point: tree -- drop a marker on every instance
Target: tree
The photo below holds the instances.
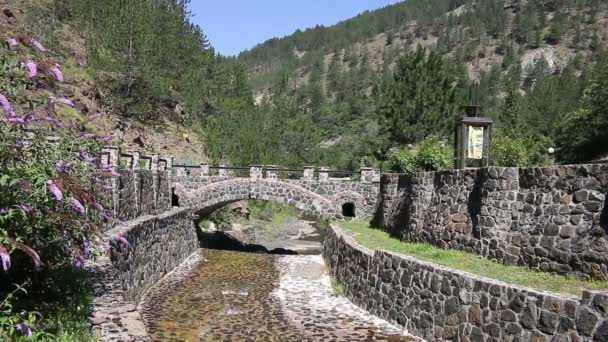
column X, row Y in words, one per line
column 418, row 101
column 582, row 133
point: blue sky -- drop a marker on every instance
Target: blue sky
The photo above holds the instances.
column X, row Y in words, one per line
column 236, row 25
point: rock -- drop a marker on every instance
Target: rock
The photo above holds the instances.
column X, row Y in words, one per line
column 601, row 333
column 452, row 305
column 529, row 318
column 586, row 321
column 548, row 322
column 581, row 196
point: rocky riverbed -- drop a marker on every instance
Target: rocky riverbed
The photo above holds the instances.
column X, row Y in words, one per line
column 234, row 296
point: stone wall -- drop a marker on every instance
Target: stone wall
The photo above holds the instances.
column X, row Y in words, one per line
column 142, row 192
column 440, row 304
column 157, row 245
column 550, row 219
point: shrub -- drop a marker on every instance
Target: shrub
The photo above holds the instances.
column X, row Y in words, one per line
column 510, row 152
column 50, row 207
column 432, row 154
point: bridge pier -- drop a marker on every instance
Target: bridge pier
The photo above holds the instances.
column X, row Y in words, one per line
column 256, row 172
column 309, row 173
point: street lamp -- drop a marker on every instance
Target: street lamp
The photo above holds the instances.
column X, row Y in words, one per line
column 473, row 136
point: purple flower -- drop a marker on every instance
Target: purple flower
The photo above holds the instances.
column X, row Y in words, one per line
column 6, row 106
column 124, row 224
column 26, row 208
column 107, row 214
column 89, row 135
column 62, row 100
column 98, row 180
column 12, row 42
column 107, row 188
column 92, row 160
column 24, row 329
column 78, row 262
column 61, row 167
column 55, row 190
column 3, row 211
column 78, row 206
column 86, row 248
column 109, row 137
column 106, row 167
column 52, row 120
column 114, row 174
column 107, row 246
column 5, row 258
column 57, row 72
column 32, row 68
column 37, row 45
column 16, row 119
column 19, row 144
column 122, row 240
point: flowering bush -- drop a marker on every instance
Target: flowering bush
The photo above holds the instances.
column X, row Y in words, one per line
column 50, row 208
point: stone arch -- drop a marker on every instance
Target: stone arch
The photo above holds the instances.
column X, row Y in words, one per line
column 343, row 198
column 216, row 195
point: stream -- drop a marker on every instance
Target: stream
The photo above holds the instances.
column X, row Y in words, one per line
column 221, row 295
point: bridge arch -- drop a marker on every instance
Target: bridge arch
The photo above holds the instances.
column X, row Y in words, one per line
column 210, row 197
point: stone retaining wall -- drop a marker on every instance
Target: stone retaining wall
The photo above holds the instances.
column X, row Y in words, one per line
column 440, row 304
column 157, row 245
column 550, row 219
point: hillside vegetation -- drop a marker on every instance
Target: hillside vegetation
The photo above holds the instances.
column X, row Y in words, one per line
column 143, row 67
column 533, row 60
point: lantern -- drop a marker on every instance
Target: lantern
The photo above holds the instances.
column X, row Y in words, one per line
column 473, row 138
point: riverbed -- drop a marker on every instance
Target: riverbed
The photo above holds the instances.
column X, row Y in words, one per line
column 233, row 296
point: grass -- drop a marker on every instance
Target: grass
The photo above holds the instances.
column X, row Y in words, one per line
column 379, row 240
column 275, row 213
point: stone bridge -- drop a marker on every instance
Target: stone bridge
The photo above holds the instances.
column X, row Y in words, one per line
column 152, row 185
column 310, row 190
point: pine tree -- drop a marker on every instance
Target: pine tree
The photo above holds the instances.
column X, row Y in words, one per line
column 418, row 101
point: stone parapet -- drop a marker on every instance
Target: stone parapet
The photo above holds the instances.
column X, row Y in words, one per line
column 550, row 219
column 157, row 245
column 442, row 304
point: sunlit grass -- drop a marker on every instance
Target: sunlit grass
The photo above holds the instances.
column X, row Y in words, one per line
column 376, row 239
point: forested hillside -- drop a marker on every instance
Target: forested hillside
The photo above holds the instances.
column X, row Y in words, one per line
column 142, row 66
column 327, row 95
column 533, row 60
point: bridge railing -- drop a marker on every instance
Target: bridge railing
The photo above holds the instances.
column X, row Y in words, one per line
column 307, row 173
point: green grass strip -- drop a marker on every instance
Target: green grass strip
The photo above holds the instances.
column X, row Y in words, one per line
column 376, row 239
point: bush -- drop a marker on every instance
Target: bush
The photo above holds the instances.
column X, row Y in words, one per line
column 510, row 152
column 433, row 154
column 50, row 209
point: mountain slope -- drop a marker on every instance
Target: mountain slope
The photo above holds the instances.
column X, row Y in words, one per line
column 478, row 34
column 139, row 70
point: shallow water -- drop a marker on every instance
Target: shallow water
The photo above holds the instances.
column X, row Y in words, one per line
column 233, row 296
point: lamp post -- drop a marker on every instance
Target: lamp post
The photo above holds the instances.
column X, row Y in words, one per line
column 473, row 137
column 551, row 152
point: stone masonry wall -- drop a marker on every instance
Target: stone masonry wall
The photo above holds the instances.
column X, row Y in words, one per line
column 142, row 192
column 550, row 219
column 440, row 304
column 157, row 245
